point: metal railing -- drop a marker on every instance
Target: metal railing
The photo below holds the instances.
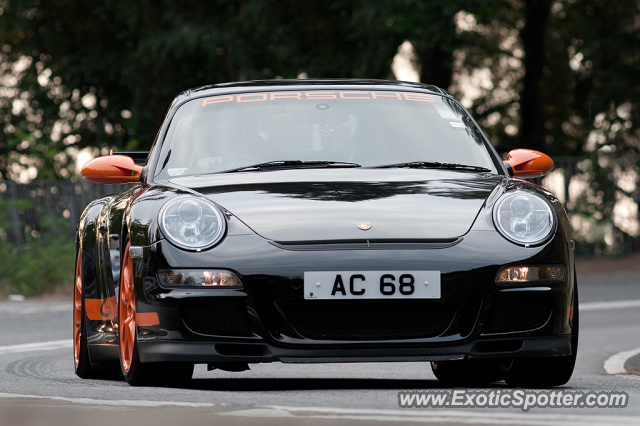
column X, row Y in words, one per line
column 46, row 208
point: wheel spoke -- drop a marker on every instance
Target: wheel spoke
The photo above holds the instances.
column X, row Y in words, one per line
column 132, row 329
column 127, row 312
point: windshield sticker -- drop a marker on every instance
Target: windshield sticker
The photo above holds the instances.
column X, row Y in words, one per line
column 285, row 95
column 375, row 95
column 357, row 95
column 251, row 97
column 217, row 100
column 446, row 112
column 354, row 95
column 176, row 172
column 419, row 97
column 320, row 95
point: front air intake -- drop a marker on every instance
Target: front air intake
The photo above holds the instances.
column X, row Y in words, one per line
column 517, row 312
column 218, row 316
column 370, row 320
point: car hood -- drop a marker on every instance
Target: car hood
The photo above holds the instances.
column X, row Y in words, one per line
column 327, row 204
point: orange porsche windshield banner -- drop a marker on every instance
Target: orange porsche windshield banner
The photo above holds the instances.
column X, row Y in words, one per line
column 317, row 95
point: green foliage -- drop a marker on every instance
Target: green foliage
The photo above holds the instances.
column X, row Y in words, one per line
column 105, row 72
column 102, row 74
column 45, row 260
column 610, row 177
column 591, row 50
column 41, row 266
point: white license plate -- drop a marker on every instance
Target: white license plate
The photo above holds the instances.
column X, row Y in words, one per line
column 339, row 285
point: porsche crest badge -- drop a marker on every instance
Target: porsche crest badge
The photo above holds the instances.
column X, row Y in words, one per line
column 365, row 226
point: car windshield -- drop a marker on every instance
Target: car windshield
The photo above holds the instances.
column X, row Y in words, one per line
column 227, row 132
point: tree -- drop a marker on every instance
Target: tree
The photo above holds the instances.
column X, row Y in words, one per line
column 536, row 16
column 100, row 75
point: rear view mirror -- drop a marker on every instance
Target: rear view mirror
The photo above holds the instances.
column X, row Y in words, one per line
column 319, row 114
column 527, row 163
column 112, row 169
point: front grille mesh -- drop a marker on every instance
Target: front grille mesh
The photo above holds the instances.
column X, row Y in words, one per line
column 216, row 316
column 517, row 312
column 370, row 320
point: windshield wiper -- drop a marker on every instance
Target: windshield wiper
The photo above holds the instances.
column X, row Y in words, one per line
column 433, row 165
column 291, row 164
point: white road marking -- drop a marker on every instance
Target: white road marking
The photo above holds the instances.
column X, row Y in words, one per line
column 42, row 346
column 327, row 413
column 34, row 307
column 615, row 363
column 434, row 416
column 618, row 304
column 111, row 402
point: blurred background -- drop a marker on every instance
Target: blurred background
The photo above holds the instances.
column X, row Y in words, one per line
column 78, row 78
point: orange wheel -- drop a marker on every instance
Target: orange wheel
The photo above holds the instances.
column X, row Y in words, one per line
column 77, row 312
column 127, row 312
column 135, row 372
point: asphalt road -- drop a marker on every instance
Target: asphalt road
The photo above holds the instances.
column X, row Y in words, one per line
column 38, row 386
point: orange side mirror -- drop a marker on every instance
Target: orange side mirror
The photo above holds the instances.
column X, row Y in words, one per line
column 112, row 169
column 527, row 163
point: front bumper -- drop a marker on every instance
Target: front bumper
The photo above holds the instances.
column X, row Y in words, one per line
column 272, row 281
column 210, row 352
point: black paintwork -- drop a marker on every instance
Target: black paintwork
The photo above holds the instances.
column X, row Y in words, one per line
column 279, row 224
column 321, row 204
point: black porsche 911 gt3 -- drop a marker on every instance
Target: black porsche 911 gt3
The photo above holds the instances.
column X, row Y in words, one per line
column 316, row 221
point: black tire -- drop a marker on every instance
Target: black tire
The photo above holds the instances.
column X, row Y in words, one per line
column 83, row 368
column 469, row 372
column 82, row 364
column 550, row 371
column 158, row 373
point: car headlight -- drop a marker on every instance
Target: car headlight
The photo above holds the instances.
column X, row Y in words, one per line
column 192, row 223
column 524, row 218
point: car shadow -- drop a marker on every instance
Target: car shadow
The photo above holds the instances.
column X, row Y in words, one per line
column 303, row 384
